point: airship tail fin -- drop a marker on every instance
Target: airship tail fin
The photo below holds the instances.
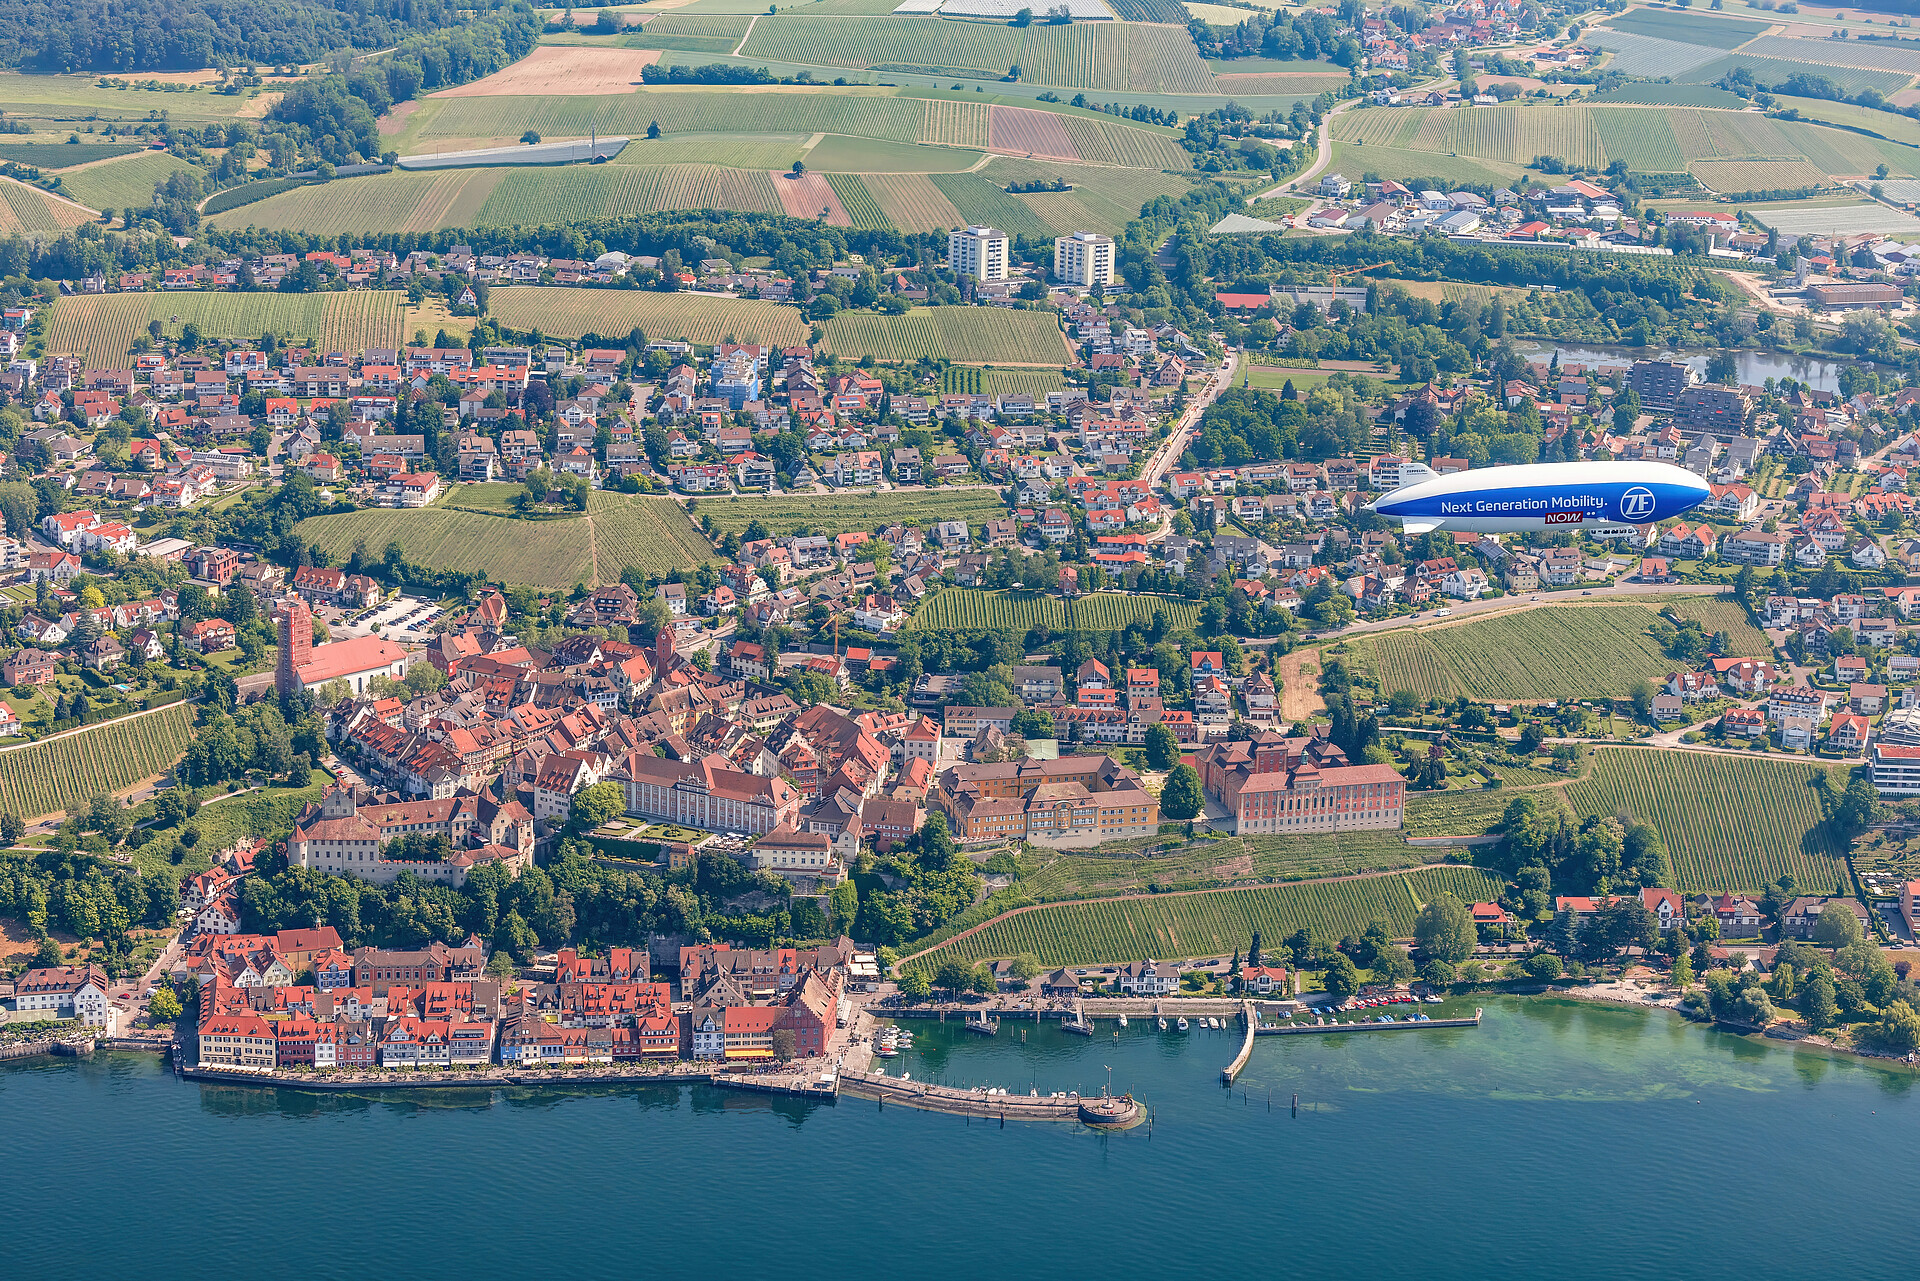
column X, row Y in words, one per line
column 1420, row 526
column 1416, row 474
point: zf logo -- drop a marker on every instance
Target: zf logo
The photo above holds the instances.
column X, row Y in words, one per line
column 1637, row 503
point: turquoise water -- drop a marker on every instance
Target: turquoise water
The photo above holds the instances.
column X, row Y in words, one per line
column 1557, row 1139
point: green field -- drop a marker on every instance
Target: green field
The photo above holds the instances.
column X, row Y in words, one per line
column 617, row 531
column 399, row 201
column 1710, row 30
column 735, row 151
column 984, row 203
column 1647, row 139
column 1117, row 611
column 968, row 335
column 1730, row 822
column 61, row 103
column 857, row 201
column 964, row 609
column 102, row 327
column 1081, row 55
column 838, row 153
column 1656, row 94
column 859, row 113
column 1206, row 923
column 119, row 184
column 707, row 321
column 1773, row 70
column 64, row 773
column 1573, row 651
column 63, row 155
column 834, row 513
column 1402, row 164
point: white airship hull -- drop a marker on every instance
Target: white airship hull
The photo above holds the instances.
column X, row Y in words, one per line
column 1603, row 500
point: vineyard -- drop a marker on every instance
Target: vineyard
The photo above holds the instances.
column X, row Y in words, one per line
column 569, row 313
column 862, row 211
column 1117, row 611
column 102, row 327
column 1468, row 812
column 999, row 382
column 399, row 201
column 957, row 124
column 986, row 204
column 911, row 201
column 1598, row 651
column 652, row 533
column 1724, row 614
column 124, row 182
column 24, row 208
column 964, row 609
column 1207, row 922
column 64, row 155
column 1766, row 820
column 1105, row 55
column 966, row 335
column 873, row 113
column 836, row 513
column 63, row 773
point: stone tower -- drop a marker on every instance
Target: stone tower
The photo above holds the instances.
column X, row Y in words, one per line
column 296, row 646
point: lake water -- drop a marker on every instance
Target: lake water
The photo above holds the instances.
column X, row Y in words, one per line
column 1558, row 1139
column 1754, row 367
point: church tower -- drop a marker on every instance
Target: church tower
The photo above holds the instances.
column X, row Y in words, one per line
column 296, row 646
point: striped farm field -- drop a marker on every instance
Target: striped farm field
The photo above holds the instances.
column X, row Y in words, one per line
column 911, row 202
column 1849, row 80
column 1730, row 822
column 735, row 151
column 569, row 313
column 398, row 201
column 695, row 33
column 542, row 197
column 1143, row 58
column 1035, row 133
column 965, row 335
column 1724, row 614
column 838, row 513
column 1596, row 651
column 129, row 180
column 956, row 124
column 869, row 113
column 618, row 531
column 29, row 209
column 1207, row 922
column 64, row 773
column 1731, row 177
column 102, row 327
column 984, row 203
column 1102, row 142
column 1109, row 198
column 964, row 609
column 1117, row 611
column 1000, row 382
column 810, row 195
column 860, row 206
column 1468, row 812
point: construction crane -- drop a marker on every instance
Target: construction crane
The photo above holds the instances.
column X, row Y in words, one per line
column 1333, row 277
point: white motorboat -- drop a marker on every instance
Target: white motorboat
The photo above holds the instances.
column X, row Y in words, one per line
column 1123, row 1020
column 1163, row 1025
column 1182, row 1024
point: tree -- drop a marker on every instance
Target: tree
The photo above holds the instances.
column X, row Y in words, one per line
column 1642, row 695
column 12, row 828
column 1163, row 749
column 1683, row 973
column 1544, row 966
column 784, row 1044
column 1437, row 973
column 1392, row 965
column 592, row 806
column 1026, row 966
column 1342, row 979
column 530, row 137
column 1444, row 930
column 1182, row 798
column 500, row 966
column 984, row 981
column 47, row 955
column 165, row 1007
column 953, row 976
column 914, row 983
column 1818, row 1004
column 799, row 167
column 1837, row 927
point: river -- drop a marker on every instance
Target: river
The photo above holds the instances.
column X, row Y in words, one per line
column 1752, row 367
column 1559, row 1139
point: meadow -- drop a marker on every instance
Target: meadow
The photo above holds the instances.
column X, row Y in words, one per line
column 64, row 773
column 1766, row 820
column 984, row 203
column 102, row 327
column 966, row 335
column 703, row 320
column 618, row 530
column 1213, row 922
column 61, row 102
column 838, row 513
column 1596, row 651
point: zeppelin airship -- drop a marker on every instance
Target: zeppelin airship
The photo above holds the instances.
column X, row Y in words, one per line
column 1599, row 499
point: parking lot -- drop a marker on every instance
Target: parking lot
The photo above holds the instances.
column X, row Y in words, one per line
column 406, row 618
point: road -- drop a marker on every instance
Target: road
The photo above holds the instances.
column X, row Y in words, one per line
column 1167, row 456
